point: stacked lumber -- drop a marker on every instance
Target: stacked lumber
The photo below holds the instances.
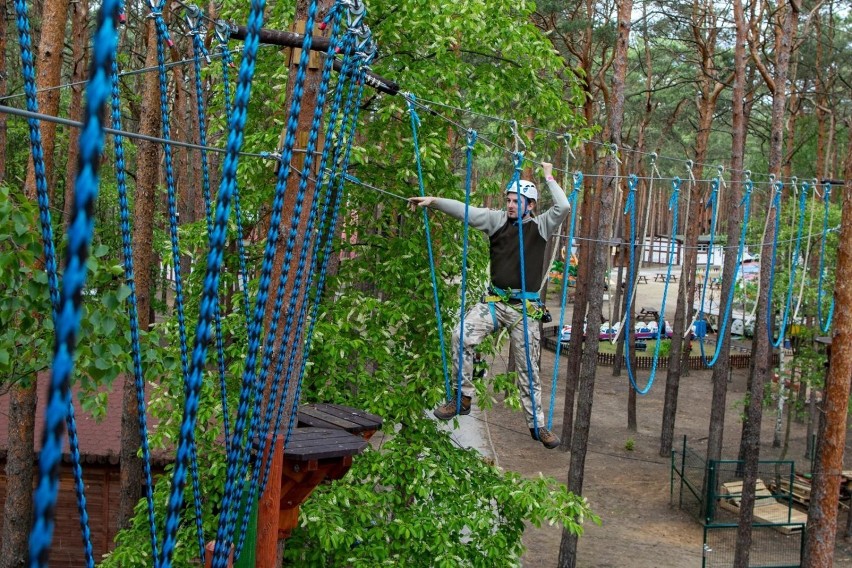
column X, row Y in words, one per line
column 767, row 509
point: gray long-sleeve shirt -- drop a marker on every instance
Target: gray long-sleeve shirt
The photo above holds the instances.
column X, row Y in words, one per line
column 504, row 240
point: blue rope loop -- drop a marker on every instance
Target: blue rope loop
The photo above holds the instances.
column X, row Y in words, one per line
column 676, row 183
column 415, row 123
column 360, row 75
column 572, row 200
column 211, row 282
column 193, row 17
column 745, row 203
column 290, row 338
column 824, row 319
column 712, row 203
column 80, row 230
column 325, row 238
column 132, row 308
column 164, row 39
column 251, row 392
column 468, row 183
column 791, row 284
column 223, row 32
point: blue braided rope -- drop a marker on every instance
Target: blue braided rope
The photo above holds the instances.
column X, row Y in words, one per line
column 80, row 229
column 238, row 214
column 791, row 284
column 824, row 323
column 46, row 224
column 238, row 456
column 277, row 400
column 572, row 200
column 468, row 183
column 415, row 121
column 352, row 112
column 162, row 39
column 329, row 211
column 631, row 210
column 211, row 281
column 519, row 161
column 723, row 327
column 132, row 307
column 199, row 51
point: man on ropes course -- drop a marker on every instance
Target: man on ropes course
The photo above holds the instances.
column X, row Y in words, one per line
column 513, row 290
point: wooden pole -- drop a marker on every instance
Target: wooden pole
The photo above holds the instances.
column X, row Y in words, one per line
column 269, row 505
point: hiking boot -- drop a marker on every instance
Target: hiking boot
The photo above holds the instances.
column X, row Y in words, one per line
column 448, row 409
column 548, row 439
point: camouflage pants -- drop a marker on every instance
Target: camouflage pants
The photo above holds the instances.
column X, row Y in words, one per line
column 478, row 324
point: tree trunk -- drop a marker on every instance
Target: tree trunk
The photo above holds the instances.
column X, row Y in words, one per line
column 3, row 88
column 579, row 445
column 760, row 345
column 18, row 508
column 831, row 440
column 733, row 215
column 20, row 473
column 79, row 59
column 147, row 176
column 48, row 72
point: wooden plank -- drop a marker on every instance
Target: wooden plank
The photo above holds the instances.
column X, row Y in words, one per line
column 322, row 443
column 346, row 418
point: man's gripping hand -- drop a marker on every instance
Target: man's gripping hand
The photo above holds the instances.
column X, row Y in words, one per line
column 420, row 201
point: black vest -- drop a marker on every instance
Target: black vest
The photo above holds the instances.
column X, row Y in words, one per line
column 506, row 257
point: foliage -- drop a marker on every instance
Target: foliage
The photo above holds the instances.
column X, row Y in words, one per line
column 421, row 501
column 26, row 338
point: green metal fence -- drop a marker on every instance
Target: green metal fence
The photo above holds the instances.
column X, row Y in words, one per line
column 710, row 492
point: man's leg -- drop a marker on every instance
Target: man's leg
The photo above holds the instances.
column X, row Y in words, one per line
column 478, row 323
column 525, row 372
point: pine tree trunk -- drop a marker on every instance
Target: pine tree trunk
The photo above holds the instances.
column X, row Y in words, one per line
column 831, row 440
column 3, row 88
column 20, row 474
column 733, row 214
column 48, row 72
column 147, row 176
column 760, row 345
column 579, row 443
column 79, row 59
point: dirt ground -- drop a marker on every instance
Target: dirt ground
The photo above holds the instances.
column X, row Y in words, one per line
column 630, row 489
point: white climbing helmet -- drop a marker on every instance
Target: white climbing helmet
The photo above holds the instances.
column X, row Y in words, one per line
column 527, row 189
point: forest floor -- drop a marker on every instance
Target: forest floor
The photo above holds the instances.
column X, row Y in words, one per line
column 629, row 489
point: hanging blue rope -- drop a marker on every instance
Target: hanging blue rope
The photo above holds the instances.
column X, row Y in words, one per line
column 522, row 209
column 352, row 111
column 791, row 284
column 824, row 322
column 278, row 395
column 630, row 209
column 80, row 229
column 252, row 383
column 723, row 321
column 468, row 183
column 46, row 225
column 572, row 200
column 415, row 122
column 194, row 18
column 211, row 282
column 132, row 308
column 223, row 32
